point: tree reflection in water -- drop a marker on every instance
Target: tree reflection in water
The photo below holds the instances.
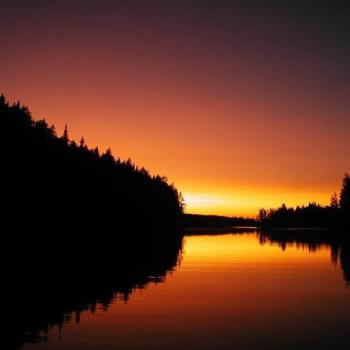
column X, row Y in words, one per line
column 46, row 287
column 313, row 240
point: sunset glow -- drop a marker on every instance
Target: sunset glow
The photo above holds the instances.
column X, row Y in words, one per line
column 245, row 202
column 175, row 174
column 238, row 115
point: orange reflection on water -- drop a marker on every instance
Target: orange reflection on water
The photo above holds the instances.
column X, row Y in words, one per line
column 244, row 247
column 229, row 291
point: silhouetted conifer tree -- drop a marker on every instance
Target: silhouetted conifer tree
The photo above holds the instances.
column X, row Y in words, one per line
column 345, row 199
column 334, row 201
column 65, row 136
column 82, row 143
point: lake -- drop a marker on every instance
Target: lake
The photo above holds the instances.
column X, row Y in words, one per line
column 226, row 291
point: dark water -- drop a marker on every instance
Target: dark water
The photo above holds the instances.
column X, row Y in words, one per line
column 243, row 291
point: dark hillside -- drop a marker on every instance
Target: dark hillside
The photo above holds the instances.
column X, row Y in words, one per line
column 50, row 180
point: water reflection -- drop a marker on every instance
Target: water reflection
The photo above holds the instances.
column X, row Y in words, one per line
column 313, row 240
column 41, row 290
column 220, row 292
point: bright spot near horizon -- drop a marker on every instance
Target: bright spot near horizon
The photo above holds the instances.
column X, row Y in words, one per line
column 212, row 204
column 200, row 200
column 246, row 202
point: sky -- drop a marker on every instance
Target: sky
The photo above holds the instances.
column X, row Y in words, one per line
column 241, row 104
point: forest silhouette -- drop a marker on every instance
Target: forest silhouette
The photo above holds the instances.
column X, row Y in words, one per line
column 334, row 215
column 46, row 178
column 78, row 227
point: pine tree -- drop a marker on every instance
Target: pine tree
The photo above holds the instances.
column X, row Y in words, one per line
column 82, row 143
column 345, row 197
column 65, row 136
column 334, row 201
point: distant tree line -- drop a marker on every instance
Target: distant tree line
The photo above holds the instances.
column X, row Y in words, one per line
column 49, row 179
column 336, row 214
column 216, row 221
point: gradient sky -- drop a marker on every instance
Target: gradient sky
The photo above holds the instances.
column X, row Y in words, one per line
column 242, row 104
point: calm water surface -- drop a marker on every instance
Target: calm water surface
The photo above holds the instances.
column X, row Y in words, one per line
column 227, row 292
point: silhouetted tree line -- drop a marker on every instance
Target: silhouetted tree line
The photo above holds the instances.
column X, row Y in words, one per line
column 77, row 226
column 336, row 214
column 48, row 179
column 216, row 221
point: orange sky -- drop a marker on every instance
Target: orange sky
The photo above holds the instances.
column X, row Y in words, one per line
column 240, row 107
